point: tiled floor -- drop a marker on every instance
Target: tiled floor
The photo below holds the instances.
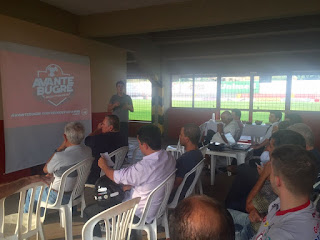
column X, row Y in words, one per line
column 52, row 228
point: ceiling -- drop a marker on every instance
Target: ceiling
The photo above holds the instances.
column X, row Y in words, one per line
column 85, row 7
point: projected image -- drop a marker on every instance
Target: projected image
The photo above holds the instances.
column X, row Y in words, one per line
column 41, row 90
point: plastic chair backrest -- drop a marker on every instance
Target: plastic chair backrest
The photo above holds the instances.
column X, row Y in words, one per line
column 83, row 170
column 119, row 154
column 168, row 185
column 204, row 150
column 117, row 219
column 197, row 170
column 23, row 225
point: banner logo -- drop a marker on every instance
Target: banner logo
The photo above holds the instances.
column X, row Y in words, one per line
column 53, row 85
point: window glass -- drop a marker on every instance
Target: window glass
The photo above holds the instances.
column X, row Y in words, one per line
column 305, row 93
column 205, row 91
column 235, row 92
column 140, row 90
column 182, row 88
column 269, row 92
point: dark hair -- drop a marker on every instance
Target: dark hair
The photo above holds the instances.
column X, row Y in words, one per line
column 192, row 131
column 151, row 135
column 201, row 217
column 293, row 118
column 283, row 137
column 297, row 167
column 283, row 125
column 277, row 114
column 113, row 120
column 119, row 82
column 237, row 112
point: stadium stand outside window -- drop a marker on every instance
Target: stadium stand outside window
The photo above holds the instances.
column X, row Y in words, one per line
column 198, row 91
column 305, row 93
column 270, row 92
column 140, row 90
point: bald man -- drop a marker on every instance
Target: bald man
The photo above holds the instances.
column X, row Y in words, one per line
column 200, row 217
column 228, row 125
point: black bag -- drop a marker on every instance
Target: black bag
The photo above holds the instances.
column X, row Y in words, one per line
column 216, row 146
column 108, row 193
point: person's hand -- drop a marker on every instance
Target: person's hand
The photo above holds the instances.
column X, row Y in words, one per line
column 102, row 163
column 116, row 104
column 255, row 216
column 63, row 145
column 220, row 128
column 266, row 170
column 259, row 169
column 99, row 126
column 126, row 187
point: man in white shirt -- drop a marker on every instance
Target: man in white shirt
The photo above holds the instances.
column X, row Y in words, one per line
column 274, row 119
column 141, row 178
column 228, row 126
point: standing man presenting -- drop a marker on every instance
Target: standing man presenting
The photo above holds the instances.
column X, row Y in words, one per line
column 119, row 105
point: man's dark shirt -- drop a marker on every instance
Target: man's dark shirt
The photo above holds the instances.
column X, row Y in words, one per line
column 106, row 142
column 316, row 153
column 185, row 163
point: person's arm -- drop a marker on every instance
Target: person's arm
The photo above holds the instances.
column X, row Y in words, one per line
column 257, row 187
column 8, row 189
column 177, row 182
column 59, row 149
column 112, row 106
column 220, row 130
column 97, row 131
column 129, row 105
column 106, row 169
column 260, row 145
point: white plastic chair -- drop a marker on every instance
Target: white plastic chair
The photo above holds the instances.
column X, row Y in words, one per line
column 119, row 155
column 23, row 225
column 197, row 171
column 76, row 196
column 117, row 219
column 151, row 228
column 199, row 183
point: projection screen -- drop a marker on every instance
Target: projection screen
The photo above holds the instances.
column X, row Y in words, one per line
column 42, row 90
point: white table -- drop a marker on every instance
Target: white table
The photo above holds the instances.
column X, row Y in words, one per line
column 175, row 151
column 237, row 154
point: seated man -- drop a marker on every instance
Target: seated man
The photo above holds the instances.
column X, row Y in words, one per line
column 70, row 152
column 106, row 138
column 142, row 177
column 261, row 194
column 228, row 126
column 247, row 176
column 200, row 217
column 189, row 137
column 274, row 119
column 292, row 215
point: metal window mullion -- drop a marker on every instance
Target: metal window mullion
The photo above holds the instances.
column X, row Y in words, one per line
column 218, row 103
column 288, row 92
column 193, row 90
column 251, row 97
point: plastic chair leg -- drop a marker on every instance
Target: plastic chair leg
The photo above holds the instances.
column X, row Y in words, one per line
column 165, row 223
column 199, row 183
column 40, row 232
column 83, row 205
column 68, row 223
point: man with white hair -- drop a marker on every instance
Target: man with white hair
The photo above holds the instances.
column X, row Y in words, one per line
column 229, row 126
column 70, row 152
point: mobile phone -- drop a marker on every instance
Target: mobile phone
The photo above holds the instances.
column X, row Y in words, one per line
column 258, row 164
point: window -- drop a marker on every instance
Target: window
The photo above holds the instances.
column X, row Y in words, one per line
column 199, row 91
column 140, row 90
column 205, row 91
column 305, row 92
column 235, row 92
column 182, row 88
column 269, row 92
